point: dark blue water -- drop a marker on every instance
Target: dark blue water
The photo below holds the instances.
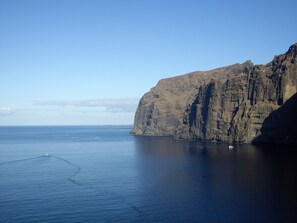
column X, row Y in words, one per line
column 102, row 174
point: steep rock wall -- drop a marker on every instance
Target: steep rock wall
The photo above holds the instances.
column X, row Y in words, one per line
column 238, row 103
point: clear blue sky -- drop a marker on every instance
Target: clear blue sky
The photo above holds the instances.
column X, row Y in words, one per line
column 89, row 61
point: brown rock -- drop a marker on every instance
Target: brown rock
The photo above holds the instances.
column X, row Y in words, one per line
column 239, row 103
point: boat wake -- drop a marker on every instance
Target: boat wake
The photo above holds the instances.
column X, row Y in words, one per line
column 47, row 156
column 70, row 178
column 117, row 196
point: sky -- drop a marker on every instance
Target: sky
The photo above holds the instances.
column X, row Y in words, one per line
column 88, row 62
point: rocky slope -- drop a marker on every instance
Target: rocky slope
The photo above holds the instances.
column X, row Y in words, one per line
column 240, row 103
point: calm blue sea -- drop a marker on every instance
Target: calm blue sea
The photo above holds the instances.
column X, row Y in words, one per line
column 103, row 174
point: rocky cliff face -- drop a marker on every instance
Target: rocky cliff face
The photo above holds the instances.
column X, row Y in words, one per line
column 239, row 103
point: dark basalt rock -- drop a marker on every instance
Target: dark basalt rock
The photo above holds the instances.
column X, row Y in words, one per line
column 238, row 103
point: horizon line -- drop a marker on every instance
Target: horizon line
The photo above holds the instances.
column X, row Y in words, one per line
column 57, row 125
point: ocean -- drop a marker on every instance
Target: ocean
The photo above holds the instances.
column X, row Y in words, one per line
column 104, row 174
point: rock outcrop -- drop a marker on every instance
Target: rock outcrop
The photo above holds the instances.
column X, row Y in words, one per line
column 239, row 103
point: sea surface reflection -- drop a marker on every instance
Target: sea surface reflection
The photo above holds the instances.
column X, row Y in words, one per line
column 211, row 183
column 103, row 174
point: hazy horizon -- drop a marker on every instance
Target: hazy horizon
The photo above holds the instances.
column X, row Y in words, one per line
column 89, row 62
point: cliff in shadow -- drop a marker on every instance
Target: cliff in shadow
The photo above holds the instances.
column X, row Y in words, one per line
column 239, row 103
column 281, row 125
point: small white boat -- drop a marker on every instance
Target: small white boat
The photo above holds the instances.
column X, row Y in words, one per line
column 231, row 147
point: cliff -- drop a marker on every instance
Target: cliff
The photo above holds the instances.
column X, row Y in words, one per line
column 239, row 103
